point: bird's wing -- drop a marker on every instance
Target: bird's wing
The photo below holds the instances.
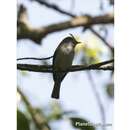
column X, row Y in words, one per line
column 57, row 75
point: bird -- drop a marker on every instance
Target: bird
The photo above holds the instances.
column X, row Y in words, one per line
column 62, row 61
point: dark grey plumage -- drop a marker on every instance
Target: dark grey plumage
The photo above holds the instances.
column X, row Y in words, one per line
column 62, row 61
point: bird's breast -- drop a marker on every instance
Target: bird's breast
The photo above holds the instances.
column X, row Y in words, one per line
column 64, row 58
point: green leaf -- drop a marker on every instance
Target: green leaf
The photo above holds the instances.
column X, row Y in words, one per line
column 22, row 121
column 81, row 124
column 110, row 90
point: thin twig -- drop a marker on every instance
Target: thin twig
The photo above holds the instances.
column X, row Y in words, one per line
column 103, row 39
column 34, row 58
column 38, row 119
column 74, row 68
column 54, row 7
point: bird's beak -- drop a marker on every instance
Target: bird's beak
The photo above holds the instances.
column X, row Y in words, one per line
column 78, row 42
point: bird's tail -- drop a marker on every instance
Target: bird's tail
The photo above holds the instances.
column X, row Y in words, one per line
column 56, row 90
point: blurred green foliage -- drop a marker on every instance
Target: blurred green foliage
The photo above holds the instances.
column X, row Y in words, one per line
column 52, row 112
column 22, row 121
column 56, row 111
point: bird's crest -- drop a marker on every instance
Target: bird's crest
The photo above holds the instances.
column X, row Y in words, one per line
column 74, row 38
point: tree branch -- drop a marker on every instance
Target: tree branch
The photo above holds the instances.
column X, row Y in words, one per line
column 38, row 119
column 48, row 68
column 34, row 58
column 25, row 31
column 54, row 7
column 58, row 9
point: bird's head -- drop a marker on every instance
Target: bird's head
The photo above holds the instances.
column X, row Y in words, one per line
column 71, row 39
column 74, row 39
